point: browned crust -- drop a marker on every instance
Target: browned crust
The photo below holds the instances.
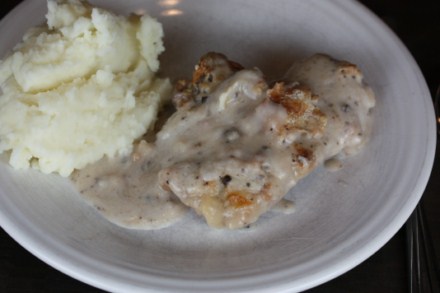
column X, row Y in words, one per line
column 211, row 70
column 300, row 104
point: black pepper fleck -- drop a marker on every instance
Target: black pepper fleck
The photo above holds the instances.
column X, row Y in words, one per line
column 345, row 108
column 225, row 179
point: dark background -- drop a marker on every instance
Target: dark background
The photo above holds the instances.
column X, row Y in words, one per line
column 417, row 23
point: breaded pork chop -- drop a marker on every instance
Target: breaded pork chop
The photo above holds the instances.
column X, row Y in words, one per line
column 259, row 141
column 255, row 143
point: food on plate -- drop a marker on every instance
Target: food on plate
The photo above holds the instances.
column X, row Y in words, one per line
column 79, row 88
column 235, row 145
column 80, row 97
column 344, row 98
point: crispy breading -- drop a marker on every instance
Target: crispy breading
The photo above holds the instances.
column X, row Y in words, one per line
column 212, row 69
column 300, row 104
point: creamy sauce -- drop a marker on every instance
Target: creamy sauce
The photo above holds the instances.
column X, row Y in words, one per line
column 333, row 164
column 126, row 192
column 344, row 98
column 229, row 157
column 284, row 206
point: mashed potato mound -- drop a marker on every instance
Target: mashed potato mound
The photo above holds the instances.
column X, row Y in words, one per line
column 79, row 88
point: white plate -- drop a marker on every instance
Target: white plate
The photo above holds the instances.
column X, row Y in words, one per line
column 342, row 217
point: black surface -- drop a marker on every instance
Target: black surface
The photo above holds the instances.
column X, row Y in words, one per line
column 418, row 26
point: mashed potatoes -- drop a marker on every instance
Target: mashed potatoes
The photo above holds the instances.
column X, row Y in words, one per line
column 79, row 88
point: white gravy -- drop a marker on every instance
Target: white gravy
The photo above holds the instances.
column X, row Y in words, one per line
column 128, row 190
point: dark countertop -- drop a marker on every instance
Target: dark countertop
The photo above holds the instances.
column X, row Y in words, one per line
column 417, row 23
